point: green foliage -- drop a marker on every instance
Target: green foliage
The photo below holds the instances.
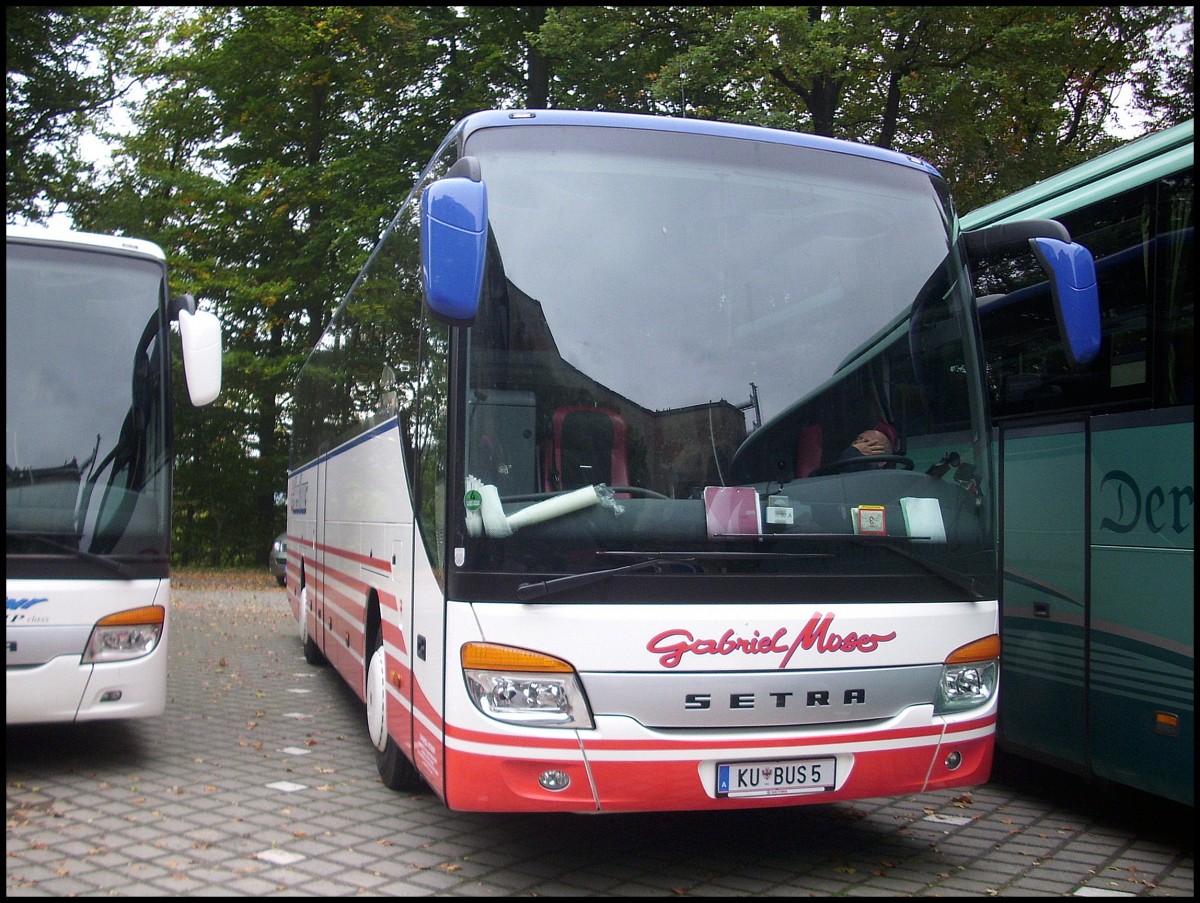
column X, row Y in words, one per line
column 65, row 67
column 268, row 191
column 995, row 97
column 269, row 146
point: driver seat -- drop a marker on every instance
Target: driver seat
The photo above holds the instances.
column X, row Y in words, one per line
column 809, row 448
column 587, row 448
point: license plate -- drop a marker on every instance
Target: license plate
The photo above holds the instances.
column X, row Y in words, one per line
column 778, row 777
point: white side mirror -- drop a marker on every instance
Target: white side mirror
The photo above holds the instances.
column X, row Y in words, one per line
column 201, row 337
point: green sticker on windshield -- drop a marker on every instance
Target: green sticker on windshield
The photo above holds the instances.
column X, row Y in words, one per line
column 473, row 500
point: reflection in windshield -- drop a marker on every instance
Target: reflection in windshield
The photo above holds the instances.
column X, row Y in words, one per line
column 667, row 318
column 732, row 266
column 85, row 443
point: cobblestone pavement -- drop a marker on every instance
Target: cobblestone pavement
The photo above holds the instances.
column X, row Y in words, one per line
column 259, row 780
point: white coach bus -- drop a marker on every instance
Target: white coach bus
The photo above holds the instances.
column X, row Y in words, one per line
column 88, row 471
column 567, row 505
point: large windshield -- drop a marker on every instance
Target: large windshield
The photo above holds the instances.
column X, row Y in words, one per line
column 713, row 264
column 692, row 322
column 85, row 431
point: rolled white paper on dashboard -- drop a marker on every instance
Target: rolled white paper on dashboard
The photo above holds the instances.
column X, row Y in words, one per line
column 549, row 509
column 495, row 524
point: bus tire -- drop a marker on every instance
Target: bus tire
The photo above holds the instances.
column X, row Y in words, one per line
column 312, row 652
column 395, row 770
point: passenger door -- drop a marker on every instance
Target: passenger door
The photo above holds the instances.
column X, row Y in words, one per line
column 1044, row 592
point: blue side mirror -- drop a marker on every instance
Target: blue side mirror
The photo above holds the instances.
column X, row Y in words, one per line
column 1072, row 272
column 454, row 243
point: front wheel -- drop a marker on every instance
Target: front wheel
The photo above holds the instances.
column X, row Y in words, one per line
column 312, row 652
column 396, row 772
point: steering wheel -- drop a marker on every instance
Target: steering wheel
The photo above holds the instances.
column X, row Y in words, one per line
column 844, row 463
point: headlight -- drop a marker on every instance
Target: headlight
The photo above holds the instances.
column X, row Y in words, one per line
column 125, row 635
column 969, row 676
column 519, row 686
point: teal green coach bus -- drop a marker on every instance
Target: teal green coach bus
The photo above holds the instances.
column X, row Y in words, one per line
column 1095, row 468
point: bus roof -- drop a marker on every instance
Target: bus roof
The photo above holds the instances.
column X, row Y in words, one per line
column 60, row 236
column 492, row 118
column 1132, row 164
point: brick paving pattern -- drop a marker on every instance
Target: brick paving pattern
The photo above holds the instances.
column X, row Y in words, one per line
column 260, row 780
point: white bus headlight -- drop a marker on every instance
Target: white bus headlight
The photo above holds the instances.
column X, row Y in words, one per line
column 518, row 686
column 125, row 635
column 969, row 676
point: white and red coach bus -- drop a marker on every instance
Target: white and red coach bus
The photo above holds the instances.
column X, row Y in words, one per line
column 567, row 505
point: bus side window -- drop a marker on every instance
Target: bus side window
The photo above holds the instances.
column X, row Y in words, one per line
column 1130, row 234
column 1175, row 301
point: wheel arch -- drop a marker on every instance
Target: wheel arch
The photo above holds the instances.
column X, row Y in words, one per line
column 373, row 622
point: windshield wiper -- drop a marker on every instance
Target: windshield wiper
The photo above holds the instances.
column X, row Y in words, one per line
column 966, row 584
column 527, row 591
column 110, row 564
column 895, row 544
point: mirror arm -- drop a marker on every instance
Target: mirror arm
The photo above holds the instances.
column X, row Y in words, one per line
column 1011, row 238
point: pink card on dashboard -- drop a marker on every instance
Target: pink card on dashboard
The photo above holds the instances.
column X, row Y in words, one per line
column 732, row 511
